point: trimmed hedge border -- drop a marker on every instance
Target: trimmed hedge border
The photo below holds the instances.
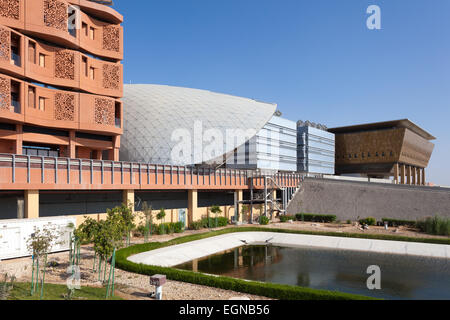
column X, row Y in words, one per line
column 270, row 290
column 311, row 217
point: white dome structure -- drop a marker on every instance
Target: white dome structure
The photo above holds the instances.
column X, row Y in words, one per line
column 156, row 117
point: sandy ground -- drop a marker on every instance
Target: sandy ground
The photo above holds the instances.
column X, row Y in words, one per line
column 137, row 287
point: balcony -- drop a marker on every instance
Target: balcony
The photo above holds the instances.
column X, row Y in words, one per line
column 49, row 21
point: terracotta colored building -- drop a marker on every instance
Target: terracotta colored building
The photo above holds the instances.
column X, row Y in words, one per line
column 61, row 79
column 395, row 148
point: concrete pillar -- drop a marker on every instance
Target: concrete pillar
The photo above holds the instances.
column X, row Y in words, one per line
column 408, row 175
column 20, row 208
column 396, row 173
column 31, row 204
column 238, row 197
column 19, row 140
column 128, row 198
column 192, row 205
column 402, row 173
column 72, row 149
column 195, row 265
column 414, row 176
column 424, row 181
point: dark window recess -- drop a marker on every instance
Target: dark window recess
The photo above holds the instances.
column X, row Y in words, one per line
column 59, row 133
column 91, row 136
column 7, row 126
column 40, row 150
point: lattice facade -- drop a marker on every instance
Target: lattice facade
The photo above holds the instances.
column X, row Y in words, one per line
column 5, row 94
column 64, row 107
column 104, row 112
column 10, row 9
column 55, row 14
column 111, row 38
column 111, row 76
column 5, row 44
column 65, row 65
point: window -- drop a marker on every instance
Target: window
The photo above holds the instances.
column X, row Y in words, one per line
column 32, row 52
column 92, row 33
column 376, row 154
column 368, row 154
column 32, row 97
column 383, row 154
column 41, row 103
column 92, row 73
column 41, row 60
column 85, row 67
column 15, row 50
column 117, row 114
column 84, row 27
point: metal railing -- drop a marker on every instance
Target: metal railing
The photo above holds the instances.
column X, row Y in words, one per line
column 54, row 170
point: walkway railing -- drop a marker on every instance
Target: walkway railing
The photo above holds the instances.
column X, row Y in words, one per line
column 19, row 172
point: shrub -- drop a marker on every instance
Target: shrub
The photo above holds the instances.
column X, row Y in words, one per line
column 285, row 218
column 263, row 220
column 398, row 223
column 196, row 225
column 436, row 226
column 369, row 221
column 211, row 222
column 325, row 218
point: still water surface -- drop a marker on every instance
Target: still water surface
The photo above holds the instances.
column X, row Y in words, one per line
column 402, row 277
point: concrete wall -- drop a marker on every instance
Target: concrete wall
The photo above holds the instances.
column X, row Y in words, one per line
column 353, row 200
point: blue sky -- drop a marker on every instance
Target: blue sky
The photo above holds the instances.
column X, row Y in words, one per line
column 315, row 58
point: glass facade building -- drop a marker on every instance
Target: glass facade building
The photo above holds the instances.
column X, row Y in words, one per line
column 315, row 150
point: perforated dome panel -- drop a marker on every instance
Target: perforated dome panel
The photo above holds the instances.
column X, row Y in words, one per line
column 153, row 112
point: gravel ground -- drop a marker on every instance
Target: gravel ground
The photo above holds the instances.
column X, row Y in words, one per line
column 128, row 285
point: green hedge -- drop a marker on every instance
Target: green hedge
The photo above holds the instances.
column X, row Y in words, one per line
column 207, row 223
column 436, row 226
column 271, row 290
column 275, row 291
column 285, row 218
column 315, row 217
column 398, row 223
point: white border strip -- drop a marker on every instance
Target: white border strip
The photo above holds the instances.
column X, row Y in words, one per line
column 182, row 253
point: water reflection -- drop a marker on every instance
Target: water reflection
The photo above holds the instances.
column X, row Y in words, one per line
column 403, row 277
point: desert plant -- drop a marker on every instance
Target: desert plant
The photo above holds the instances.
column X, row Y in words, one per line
column 263, row 220
column 6, row 286
column 370, row 221
column 147, row 211
column 216, row 211
column 436, row 226
column 40, row 243
column 161, row 216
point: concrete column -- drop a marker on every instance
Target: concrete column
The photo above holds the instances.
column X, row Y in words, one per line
column 239, row 196
column 195, row 265
column 414, row 176
column 396, row 173
column 72, row 149
column 20, row 208
column 408, row 175
column 192, row 205
column 424, row 181
column 402, row 173
column 128, row 198
column 31, row 204
column 19, row 140
column 113, row 154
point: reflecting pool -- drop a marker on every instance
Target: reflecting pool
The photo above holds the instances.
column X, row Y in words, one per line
column 402, row 277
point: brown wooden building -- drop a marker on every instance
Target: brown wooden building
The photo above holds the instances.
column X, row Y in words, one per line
column 379, row 150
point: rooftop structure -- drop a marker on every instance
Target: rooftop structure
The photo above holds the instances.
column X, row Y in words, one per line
column 182, row 126
column 394, row 148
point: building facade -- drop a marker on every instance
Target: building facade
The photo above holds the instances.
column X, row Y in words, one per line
column 273, row 149
column 61, row 79
column 315, row 150
column 398, row 149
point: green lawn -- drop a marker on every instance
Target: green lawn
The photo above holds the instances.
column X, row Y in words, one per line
column 21, row 291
